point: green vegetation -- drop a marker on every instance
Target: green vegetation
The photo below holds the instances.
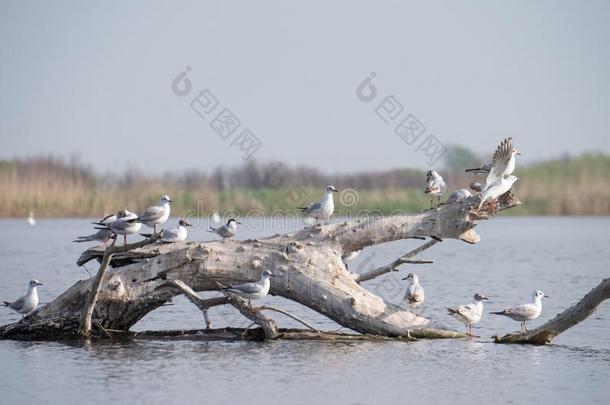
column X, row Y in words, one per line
column 52, row 188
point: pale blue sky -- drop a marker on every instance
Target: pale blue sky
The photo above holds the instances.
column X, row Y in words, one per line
column 93, row 79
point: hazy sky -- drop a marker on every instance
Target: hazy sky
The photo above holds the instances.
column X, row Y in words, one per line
column 94, row 79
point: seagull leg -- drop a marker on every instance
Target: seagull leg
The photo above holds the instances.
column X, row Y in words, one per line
column 124, row 240
column 155, row 229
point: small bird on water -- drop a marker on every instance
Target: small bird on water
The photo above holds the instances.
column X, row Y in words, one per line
column 255, row 290
column 469, row 314
column 27, row 304
column 226, row 231
column 436, row 186
column 323, row 209
column 525, row 312
column 415, row 292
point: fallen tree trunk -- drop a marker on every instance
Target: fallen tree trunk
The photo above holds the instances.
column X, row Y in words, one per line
column 307, row 266
column 565, row 320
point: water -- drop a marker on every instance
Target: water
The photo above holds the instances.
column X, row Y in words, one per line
column 564, row 257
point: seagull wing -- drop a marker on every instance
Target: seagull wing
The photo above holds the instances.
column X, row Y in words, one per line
column 313, row 208
column 17, row 305
column 501, row 157
column 523, row 310
column 247, row 288
column 171, row 233
column 151, row 214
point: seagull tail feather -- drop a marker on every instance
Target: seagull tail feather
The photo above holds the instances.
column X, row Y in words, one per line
column 6, row 303
column 503, row 312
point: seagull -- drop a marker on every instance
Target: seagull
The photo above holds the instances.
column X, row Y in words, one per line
column 28, row 303
column 323, row 209
column 436, row 186
column 103, row 235
column 491, row 192
column 476, row 186
column 178, row 234
column 469, row 314
column 157, row 214
column 226, row 231
column 253, row 291
column 480, row 170
column 415, row 292
column 503, row 162
column 125, row 224
column 525, row 312
column 458, row 195
column 31, row 220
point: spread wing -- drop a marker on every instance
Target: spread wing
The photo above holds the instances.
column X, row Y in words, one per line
column 247, row 288
column 500, row 160
column 152, row 214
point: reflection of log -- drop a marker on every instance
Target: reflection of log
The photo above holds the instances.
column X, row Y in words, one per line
column 307, row 265
column 565, row 320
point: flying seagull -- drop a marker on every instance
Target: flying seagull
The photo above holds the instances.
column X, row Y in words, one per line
column 469, row 314
column 157, row 214
column 226, row 231
column 323, row 209
column 503, row 162
column 436, row 186
column 28, row 303
column 171, row 235
column 415, row 292
column 525, row 312
column 255, row 290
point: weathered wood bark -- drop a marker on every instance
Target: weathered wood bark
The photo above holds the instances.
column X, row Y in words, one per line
column 565, row 320
column 307, row 265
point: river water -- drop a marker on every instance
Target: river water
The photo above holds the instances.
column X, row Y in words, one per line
column 564, row 257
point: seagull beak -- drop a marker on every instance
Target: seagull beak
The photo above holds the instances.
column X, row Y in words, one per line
column 485, row 298
column 39, row 284
column 404, row 278
column 170, row 201
column 518, row 153
column 238, row 222
column 546, row 296
column 187, row 224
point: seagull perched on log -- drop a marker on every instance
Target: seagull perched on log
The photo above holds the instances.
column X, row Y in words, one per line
column 125, row 224
column 323, row 209
column 103, row 235
column 469, row 314
column 436, row 186
column 252, row 291
column 415, row 292
column 157, row 214
column 226, row 231
column 28, row 303
column 525, row 312
column 172, row 235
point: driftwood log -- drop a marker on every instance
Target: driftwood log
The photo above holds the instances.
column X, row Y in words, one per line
column 307, row 265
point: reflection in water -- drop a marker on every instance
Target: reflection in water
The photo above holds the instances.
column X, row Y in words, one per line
column 575, row 370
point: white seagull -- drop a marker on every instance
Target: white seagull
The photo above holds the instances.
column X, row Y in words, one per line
column 525, row 312
column 178, row 234
column 226, row 231
column 491, row 192
column 323, row 209
column 124, row 224
column 253, row 291
column 502, row 167
column 28, row 303
column 458, row 195
column 157, row 214
column 469, row 314
column 31, row 220
column 503, row 162
column 415, row 292
column 436, row 186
